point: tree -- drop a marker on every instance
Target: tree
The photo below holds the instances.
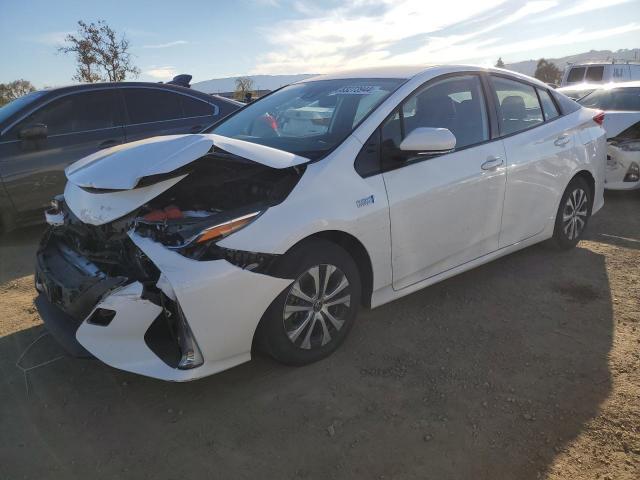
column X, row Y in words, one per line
column 500, row 63
column 244, row 85
column 100, row 54
column 12, row 90
column 547, row 72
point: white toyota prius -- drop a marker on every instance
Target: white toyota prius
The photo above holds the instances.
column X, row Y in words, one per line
column 174, row 257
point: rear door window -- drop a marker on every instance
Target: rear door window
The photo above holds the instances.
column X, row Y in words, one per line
column 518, row 105
column 576, row 74
column 146, row 105
column 78, row 112
column 549, row 108
column 594, row 74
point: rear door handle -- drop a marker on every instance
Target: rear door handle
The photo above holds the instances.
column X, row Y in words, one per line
column 108, row 143
column 562, row 140
column 492, row 163
column 196, row 128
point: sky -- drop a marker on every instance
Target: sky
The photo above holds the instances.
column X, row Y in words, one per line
column 215, row 38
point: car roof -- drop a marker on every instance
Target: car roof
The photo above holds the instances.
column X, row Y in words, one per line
column 407, row 71
column 81, row 87
column 410, row 71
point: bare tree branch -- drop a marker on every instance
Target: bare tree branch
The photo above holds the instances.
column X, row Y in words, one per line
column 100, row 54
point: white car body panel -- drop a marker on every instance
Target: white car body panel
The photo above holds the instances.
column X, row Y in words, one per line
column 418, row 224
column 121, row 167
column 616, row 122
column 618, row 163
column 223, row 325
column 462, row 221
column 98, row 209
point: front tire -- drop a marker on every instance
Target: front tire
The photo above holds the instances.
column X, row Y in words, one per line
column 311, row 318
column 573, row 214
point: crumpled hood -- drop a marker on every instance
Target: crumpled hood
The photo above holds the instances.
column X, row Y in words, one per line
column 117, row 171
column 616, row 122
column 123, row 166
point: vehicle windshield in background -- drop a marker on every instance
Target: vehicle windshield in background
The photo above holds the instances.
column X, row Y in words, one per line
column 12, row 107
column 576, row 94
column 624, row 99
column 310, row 118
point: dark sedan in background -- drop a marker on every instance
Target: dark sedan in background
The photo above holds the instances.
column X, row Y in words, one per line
column 45, row 131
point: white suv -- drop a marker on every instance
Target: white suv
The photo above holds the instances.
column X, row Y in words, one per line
column 173, row 257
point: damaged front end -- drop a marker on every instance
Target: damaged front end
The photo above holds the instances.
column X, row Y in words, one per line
column 150, row 291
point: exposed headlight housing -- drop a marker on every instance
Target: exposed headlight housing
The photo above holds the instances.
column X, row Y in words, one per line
column 633, row 173
column 221, row 230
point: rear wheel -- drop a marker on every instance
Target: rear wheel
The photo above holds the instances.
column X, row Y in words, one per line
column 312, row 317
column 573, row 214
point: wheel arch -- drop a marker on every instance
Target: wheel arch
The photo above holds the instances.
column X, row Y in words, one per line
column 588, row 177
column 358, row 252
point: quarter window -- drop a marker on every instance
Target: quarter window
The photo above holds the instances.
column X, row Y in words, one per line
column 195, row 108
column 518, row 105
column 548, row 106
column 77, row 113
column 150, row 105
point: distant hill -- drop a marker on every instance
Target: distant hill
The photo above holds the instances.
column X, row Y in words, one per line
column 528, row 67
column 260, row 82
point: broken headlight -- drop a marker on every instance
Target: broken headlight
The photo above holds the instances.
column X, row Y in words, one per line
column 201, row 244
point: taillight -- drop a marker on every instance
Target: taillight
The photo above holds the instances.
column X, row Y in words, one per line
column 599, row 118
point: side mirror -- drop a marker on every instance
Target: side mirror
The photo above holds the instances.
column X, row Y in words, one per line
column 36, row 131
column 429, row 140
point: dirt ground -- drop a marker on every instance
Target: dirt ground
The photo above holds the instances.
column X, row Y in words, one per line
column 525, row 368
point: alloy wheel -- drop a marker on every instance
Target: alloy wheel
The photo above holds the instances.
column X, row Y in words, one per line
column 317, row 306
column 576, row 211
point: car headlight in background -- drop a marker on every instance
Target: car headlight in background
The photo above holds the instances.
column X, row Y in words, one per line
column 633, row 174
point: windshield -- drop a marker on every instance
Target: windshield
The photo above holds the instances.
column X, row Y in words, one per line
column 625, row 99
column 310, row 118
column 14, row 106
column 576, row 94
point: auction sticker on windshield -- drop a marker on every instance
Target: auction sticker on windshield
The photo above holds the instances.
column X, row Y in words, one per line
column 356, row 90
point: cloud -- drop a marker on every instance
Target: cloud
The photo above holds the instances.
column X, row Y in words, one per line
column 167, row 45
column 396, row 32
column 583, row 6
column 51, row 38
column 161, row 73
column 328, row 38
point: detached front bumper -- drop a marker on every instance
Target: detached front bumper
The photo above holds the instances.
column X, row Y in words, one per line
column 221, row 303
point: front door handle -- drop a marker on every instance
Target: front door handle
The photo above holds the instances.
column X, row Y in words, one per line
column 492, row 163
column 562, row 140
column 108, row 143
